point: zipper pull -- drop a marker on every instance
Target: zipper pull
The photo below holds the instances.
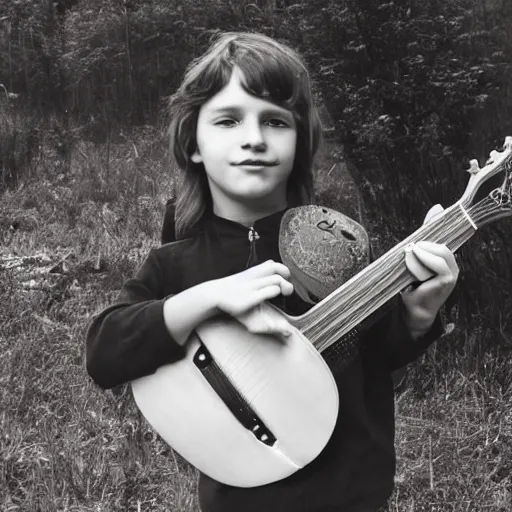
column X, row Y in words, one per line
column 253, row 236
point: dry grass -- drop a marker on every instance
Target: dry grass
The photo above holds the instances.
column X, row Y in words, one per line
column 68, row 446
column 455, row 448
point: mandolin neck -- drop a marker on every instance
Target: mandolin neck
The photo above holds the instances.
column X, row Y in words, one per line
column 363, row 294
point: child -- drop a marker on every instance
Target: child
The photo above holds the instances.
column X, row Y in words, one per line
column 244, row 133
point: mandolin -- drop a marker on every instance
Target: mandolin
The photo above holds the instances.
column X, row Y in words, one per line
column 250, row 409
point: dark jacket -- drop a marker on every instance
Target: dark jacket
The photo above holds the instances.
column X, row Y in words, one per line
column 354, row 473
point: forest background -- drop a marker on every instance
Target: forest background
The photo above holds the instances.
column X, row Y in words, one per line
column 410, row 91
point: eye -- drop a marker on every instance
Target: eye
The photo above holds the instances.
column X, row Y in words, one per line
column 225, row 122
column 277, row 123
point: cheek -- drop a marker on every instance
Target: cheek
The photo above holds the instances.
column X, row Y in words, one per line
column 212, row 139
column 201, row 137
column 209, row 146
column 288, row 146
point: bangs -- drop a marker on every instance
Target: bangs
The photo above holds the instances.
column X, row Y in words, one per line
column 270, row 79
column 268, row 73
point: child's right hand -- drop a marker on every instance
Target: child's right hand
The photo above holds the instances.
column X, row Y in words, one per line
column 242, row 294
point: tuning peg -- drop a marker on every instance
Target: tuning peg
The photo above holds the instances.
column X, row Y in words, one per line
column 473, row 166
column 492, row 157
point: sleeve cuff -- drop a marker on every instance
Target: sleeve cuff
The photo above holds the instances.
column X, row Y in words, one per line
column 411, row 348
column 436, row 331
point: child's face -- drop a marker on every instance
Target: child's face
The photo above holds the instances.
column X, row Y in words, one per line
column 234, row 127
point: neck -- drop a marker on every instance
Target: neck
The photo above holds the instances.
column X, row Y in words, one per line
column 358, row 298
column 246, row 214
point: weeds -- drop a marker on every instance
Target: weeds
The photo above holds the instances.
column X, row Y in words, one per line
column 20, row 138
column 68, row 446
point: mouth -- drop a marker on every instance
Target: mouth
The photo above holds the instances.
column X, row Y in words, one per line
column 257, row 163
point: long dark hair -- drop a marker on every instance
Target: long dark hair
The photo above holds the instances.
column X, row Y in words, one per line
column 272, row 71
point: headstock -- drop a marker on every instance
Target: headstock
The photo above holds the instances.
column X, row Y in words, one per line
column 488, row 194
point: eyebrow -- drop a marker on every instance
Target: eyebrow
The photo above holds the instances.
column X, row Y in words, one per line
column 237, row 110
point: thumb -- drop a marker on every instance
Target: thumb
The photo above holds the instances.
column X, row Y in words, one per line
column 433, row 212
column 263, row 320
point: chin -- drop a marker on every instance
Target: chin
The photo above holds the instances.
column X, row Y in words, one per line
column 263, row 196
column 258, row 190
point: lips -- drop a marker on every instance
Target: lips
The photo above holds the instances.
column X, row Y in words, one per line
column 258, row 163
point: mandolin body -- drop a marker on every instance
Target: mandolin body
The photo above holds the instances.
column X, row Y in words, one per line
column 286, row 383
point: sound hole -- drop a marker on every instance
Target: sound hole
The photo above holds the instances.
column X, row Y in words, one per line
column 347, row 235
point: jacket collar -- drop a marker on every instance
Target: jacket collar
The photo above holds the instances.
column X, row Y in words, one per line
column 268, row 225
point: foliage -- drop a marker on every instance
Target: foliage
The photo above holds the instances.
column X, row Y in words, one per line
column 19, row 142
column 414, row 89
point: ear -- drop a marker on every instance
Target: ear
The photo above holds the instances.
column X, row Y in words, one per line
column 196, row 157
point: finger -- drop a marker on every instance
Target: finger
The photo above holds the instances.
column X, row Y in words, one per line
column 437, row 261
column 416, row 268
column 258, row 320
column 265, row 293
column 430, row 294
column 257, row 297
column 270, row 267
column 276, row 320
column 286, row 288
column 275, row 325
column 432, row 213
column 440, row 250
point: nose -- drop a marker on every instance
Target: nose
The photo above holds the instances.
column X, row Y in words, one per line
column 253, row 136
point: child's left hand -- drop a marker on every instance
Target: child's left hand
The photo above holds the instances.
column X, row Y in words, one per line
column 423, row 303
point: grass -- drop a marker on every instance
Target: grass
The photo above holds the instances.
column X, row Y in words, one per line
column 69, row 240
column 454, row 448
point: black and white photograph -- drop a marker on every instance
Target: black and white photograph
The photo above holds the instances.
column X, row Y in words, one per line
column 255, row 256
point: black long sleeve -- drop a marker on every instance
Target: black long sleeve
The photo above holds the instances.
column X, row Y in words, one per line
column 389, row 338
column 129, row 339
